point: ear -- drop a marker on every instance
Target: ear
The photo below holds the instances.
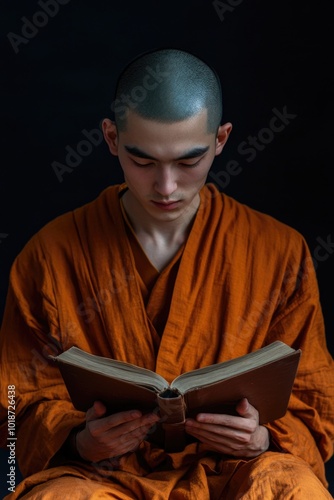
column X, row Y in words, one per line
column 222, row 136
column 110, row 135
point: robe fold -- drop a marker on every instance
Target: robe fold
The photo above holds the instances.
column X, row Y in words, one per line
column 242, row 280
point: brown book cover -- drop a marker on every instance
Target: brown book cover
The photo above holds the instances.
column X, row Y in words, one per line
column 265, row 377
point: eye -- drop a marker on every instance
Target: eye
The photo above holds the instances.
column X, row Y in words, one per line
column 141, row 164
column 190, row 165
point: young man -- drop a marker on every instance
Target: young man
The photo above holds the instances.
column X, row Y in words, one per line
column 165, row 272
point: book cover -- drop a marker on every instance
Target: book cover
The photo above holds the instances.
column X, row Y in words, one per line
column 265, row 377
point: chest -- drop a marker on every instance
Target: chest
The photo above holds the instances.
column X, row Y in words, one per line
column 160, row 253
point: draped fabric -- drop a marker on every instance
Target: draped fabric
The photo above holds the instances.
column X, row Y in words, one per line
column 241, row 281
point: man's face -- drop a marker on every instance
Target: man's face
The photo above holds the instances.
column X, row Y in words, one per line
column 165, row 164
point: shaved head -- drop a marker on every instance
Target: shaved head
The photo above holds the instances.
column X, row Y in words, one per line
column 168, row 85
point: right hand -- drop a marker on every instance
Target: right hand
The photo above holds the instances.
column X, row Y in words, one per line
column 114, row 435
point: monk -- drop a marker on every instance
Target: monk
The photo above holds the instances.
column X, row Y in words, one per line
column 166, row 272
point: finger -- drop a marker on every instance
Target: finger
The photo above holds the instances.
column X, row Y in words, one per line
column 142, row 431
column 96, row 411
column 124, row 422
column 142, row 424
column 101, row 425
column 242, row 444
column 130, row 445
column 220, row 433
column 230, row 421
column 129, row 441
column 219, row 443
column 233, row 445
column 246, row 410
column 112, row 442
column 238, row 427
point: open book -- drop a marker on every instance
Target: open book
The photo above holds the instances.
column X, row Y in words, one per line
column 265, row 377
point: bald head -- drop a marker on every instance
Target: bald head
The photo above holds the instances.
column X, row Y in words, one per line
column 168, row 85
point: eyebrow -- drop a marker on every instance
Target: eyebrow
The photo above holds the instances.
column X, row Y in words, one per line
column 192, row 153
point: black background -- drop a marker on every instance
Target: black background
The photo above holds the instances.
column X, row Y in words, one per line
column 269, row 55
column 61, row 82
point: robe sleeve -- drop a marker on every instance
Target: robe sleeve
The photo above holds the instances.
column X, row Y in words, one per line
column 307, row 429
column 29, row 334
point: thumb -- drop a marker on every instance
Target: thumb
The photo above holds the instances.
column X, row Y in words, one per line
column 246, row 410
column 96, row 411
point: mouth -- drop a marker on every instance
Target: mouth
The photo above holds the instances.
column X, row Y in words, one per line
column 166, row 205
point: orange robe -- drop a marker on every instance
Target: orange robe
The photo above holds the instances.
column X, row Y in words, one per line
column 242, row 280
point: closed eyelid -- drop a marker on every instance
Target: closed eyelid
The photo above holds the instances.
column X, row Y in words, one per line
column 192, row 154
column 177, row 162
column 142, row 164
column 197, row 158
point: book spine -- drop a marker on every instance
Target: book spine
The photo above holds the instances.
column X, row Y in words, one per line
column 173, row 412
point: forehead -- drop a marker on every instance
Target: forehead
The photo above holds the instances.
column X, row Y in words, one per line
column 166, row 139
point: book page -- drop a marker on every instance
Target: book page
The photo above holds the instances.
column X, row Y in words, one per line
column 220, row 371
column 114, row 368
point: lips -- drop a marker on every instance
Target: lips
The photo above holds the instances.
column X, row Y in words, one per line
column 166, row 205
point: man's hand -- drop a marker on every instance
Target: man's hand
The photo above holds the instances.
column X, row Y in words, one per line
column 240, row 436
column 114, row 435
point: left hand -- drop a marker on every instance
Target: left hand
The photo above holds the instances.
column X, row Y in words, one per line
column 240, row 436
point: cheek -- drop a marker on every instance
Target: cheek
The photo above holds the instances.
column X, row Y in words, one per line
column 198, row 175
column 129, row 171
column 138, row 180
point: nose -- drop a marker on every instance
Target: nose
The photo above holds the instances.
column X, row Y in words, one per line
column 165, row 181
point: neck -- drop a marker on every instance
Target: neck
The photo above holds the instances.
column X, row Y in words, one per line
column 168, row 232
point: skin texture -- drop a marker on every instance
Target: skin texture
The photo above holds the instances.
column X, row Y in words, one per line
column 168, row 86
column 161, row 172
column 168, row 177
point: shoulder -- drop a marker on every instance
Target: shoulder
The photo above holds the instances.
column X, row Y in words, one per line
column 254, row 232
column 63, row 233
column 248, row 219
column 259, row 249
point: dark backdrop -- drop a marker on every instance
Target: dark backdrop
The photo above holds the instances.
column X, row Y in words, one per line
column 59, row 64
column 58, row 80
